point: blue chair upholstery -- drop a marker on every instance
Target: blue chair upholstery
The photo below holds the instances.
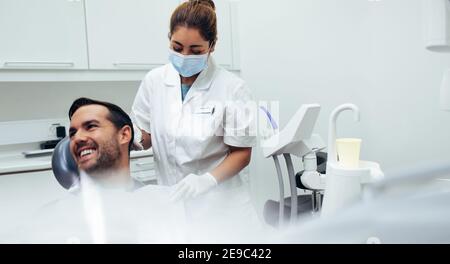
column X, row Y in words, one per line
column 64, row 166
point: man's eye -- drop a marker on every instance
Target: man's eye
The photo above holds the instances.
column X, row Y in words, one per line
column 177, row 49
column 196, row 52
column 89, row 127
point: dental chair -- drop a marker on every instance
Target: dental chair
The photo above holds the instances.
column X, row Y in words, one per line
column 64, row 166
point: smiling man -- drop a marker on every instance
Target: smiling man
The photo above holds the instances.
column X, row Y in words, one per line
column 109, row 206
column 101, row 136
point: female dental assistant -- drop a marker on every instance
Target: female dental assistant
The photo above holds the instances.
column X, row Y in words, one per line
column 192, row 112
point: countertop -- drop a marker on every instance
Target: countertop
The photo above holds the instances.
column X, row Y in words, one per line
column 17, row 162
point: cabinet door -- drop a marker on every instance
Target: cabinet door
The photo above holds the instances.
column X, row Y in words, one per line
column 22, row 194
column 143, row 169
column 224, row 49
column 128, row 34
column 48, row 34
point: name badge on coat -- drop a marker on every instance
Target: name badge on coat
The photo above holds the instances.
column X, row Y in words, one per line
column 204, row 110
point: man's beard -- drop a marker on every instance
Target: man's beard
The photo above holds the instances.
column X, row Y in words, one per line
column 108, row 157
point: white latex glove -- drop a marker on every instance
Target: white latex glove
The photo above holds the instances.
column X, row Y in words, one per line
column 137, row 142
column 192, row 186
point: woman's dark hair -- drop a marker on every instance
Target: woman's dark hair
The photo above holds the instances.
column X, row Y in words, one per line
column 198, row 14
column 116, row 115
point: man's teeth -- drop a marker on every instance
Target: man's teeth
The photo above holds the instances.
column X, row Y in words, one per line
column 86, row 152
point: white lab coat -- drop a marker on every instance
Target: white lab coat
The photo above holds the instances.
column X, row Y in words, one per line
column 194, row 136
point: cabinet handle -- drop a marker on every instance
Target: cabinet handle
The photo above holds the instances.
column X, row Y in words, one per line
column 38, row 64
column 123, row 65
column 142, row 164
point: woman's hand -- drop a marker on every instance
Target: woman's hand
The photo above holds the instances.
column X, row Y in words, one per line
column 137, row 141
column 142, row 139
column 192, row 186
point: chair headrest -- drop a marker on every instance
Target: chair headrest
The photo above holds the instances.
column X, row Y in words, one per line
column 64, row 166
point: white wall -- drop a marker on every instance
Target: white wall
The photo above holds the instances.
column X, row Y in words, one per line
column 48, row 100
column 370, row 53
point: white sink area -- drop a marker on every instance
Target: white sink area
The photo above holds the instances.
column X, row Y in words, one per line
column 17, row 162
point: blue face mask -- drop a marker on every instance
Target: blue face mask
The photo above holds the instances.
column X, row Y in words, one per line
column 188, row 65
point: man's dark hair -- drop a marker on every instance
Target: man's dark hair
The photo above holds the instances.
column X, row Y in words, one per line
column 116, row 115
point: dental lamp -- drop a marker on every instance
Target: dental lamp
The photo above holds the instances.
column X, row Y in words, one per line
column 437, row 25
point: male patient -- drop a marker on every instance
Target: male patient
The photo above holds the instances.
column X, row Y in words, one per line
column 108, row 207
column 101, row 137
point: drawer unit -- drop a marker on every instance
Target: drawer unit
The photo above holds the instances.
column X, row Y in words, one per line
column 143, row 170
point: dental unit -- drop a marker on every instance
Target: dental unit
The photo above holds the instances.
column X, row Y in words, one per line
column 340, row 185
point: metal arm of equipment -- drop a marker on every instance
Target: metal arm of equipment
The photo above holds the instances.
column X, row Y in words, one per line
column 295, row 139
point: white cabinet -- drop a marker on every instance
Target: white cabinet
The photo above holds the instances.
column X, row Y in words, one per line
column 143, row 170
column 21, row 194
column 134, row 34
column 224, row 49
column 131, row 34
column 105, row 38
column 44, row 34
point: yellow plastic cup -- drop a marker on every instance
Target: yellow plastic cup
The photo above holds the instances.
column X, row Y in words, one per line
column 348, row 150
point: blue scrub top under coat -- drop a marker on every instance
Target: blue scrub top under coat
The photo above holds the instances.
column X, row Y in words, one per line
column 184, row 90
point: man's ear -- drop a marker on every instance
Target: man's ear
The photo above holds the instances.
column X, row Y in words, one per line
column 125, row 135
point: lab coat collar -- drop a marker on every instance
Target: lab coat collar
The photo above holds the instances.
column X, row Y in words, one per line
column 203, row 81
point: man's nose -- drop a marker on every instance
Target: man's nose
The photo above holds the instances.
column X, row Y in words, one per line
column 79, row 137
